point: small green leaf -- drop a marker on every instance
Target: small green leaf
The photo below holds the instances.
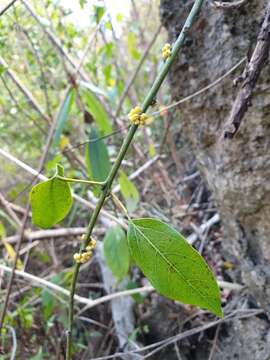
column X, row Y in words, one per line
column 116, row 251
column 63, row 115
column 97, row 157
column 95, row 108
column 129, row 192
column 99, row 12
column 174, row 268
column 51, row 201
column 93, row 88
column 47, row 302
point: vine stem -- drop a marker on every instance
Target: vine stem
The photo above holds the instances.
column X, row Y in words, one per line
column 106, row 188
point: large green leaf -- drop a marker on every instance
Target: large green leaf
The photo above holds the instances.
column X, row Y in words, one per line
column 97, row 157
column 129, row 192
column 63, row 115
column 95, row 108
column 51, row 201
column 174, row 268
column 116, row 251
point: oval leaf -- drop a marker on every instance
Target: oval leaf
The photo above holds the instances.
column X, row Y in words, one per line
column 174, row 268
column 116, row 251
column 50, row 202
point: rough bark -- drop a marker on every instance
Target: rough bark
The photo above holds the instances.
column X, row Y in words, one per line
column 236, row 170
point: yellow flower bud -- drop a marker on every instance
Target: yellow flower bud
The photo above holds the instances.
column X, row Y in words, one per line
column 137, row 110
column 83, row 237
column 167, row 46
column 77, row 257
column 93, row 242
column 166, row 51
column 134, row 118
column 137, row 117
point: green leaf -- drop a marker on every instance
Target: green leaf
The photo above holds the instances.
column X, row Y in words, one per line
column 63, row 115
column 97, row 157
column 99, row 12
column 129, row 192
column 48, row 302
column 116, row 251
column 51, row 201
column 138, row 298
column 93, row 88
column 95, row 108
column 174, row 268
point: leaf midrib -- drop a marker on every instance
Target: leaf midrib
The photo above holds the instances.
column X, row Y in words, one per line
column 170, row 264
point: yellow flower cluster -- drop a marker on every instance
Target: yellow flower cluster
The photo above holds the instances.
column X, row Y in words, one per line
column 81, row 258
column 166, row 51
column 137, row 117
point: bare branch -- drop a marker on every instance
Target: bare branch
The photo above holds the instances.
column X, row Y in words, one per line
column 7, row 7
column 47, row 234
column 135, row 73
column 249, row 78
column 24, row 90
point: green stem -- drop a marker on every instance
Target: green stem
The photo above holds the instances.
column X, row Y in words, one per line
column 132, row 130
column 90, row 182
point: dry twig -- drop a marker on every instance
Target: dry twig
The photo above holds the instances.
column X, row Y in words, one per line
column 249, row 78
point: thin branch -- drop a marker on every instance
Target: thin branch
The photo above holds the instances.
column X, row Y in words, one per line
column 34, row 181
column 249, row 79
column 21, row 108
column 7, row 7
column 54, row 40
column 14, row 342
column 79, row 299
column 41, row 67
column 204, row 227
column 9, row 210
column 199, row 92
column 222, row 5
column 135, row 73
column 212, row 352
column 47, row 234
column 24, row 90
column 237, row 314
column 33, row 279
column 25, row 218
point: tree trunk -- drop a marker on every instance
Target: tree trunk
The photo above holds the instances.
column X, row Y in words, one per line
column 236, row 170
